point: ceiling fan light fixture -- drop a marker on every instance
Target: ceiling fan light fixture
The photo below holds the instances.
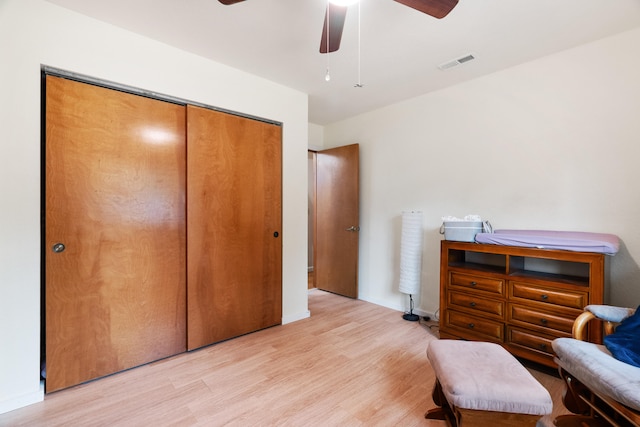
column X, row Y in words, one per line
column 343, row 2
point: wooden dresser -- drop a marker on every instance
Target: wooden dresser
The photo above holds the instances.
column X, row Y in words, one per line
column 522, row 298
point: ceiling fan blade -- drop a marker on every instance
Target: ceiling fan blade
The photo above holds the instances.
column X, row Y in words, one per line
column 334, row 22
column 228, row 2
column 436, row 8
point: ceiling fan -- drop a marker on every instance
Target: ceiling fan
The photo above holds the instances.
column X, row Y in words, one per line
column 336, row 14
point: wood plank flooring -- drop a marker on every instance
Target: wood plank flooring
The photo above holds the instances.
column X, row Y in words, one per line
column 352, row 363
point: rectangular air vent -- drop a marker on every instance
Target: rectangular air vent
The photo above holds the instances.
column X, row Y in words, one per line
column 456, row 62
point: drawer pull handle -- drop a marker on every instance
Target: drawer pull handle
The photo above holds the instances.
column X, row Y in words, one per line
column 473, row 283
column 472, row 304
column 544, row 297
column 543, row 321
column 471, row 325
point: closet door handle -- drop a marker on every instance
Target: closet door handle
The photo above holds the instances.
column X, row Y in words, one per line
column 58, row 247
column 353, row 228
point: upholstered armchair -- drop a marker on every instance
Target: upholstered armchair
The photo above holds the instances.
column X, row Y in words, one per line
column 600, row 389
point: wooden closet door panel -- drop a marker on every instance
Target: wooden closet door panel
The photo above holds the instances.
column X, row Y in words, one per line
column 234, row 221
column 115, row 190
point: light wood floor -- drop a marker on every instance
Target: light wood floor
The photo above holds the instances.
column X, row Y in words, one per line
column 351, row 363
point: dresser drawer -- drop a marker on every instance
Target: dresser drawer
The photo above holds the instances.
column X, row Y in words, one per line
column 530, row 341
column 478, row 328
column 533, row 316
column 480, row 283
column 530, row 292
column 473, row 303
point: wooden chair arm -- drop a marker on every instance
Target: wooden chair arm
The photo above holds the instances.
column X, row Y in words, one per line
column 579, row 330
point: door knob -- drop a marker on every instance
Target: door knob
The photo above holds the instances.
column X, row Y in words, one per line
column 58, row 247
column 353, row 228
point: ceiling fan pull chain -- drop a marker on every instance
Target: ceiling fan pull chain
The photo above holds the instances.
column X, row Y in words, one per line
column 359, row 84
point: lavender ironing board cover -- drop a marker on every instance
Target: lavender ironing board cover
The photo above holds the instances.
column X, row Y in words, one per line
column 543, row 239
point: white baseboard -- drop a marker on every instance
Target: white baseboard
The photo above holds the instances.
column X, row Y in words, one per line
column 295, row 317
column 23, row 400
column 399, row 308
column 423, row 313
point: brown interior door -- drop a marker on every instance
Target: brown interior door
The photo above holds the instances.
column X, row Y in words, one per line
column 234, row 217
column 337, row 220
column 114, row 197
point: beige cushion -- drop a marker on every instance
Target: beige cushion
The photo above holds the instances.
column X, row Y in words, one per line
column 484, row 376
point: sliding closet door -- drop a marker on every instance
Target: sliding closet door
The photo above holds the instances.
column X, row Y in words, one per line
column 234, row 218
column 115, row 231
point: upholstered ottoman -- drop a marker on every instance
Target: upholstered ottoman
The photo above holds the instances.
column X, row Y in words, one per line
column 481, row 384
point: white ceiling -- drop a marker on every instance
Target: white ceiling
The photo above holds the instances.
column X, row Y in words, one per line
column 400, row 48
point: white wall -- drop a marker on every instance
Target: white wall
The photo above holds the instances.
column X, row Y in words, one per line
column 316, row 137
column 34, row 32
column 551, row 144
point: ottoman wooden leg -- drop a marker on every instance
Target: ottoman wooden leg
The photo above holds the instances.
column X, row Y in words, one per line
column 443, row 412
